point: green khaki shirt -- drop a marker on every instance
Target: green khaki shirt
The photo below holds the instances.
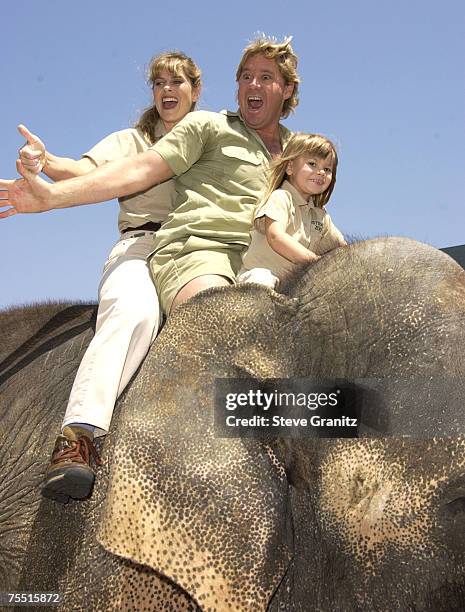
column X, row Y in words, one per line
column 219, row 164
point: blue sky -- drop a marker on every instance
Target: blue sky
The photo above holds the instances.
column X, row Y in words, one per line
column 385, row 80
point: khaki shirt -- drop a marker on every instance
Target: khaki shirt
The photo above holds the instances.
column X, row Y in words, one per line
column 151, row 205
column 219, row 165
column 310, row 226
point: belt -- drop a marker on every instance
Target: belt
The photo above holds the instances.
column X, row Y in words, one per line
column 148, row 227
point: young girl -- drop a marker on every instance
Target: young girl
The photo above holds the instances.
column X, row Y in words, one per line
column 291, row 225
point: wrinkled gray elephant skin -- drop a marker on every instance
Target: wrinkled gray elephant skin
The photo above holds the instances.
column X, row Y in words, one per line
column 182, row 520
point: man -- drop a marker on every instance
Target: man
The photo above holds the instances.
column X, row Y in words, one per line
column 219, row 162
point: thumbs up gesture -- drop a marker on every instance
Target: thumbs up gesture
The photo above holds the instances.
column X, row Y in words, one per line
column 33, row 154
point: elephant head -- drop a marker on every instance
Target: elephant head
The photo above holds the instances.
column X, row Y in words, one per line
column 359, row 313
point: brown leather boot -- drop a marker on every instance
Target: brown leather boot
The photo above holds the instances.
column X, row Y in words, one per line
column 69, row 473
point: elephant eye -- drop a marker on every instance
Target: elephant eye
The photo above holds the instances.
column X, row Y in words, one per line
column 455, row 506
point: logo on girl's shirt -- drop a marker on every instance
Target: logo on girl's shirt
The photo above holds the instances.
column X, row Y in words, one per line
column 318, row 226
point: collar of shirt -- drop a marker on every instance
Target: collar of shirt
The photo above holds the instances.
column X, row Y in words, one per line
column 160, row 130
column 297, row 198
column 284, row 133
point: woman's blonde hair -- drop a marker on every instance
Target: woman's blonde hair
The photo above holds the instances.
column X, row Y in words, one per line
column 285, row 59
column 176, row 63
column 302, row 144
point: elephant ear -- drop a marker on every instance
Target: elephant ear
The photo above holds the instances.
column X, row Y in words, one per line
column 211, row 514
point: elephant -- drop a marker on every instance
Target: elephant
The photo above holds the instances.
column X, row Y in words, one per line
column 181, row 519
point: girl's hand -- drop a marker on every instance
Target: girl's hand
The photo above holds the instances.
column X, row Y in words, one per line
column 312, row 257
column 33, row 154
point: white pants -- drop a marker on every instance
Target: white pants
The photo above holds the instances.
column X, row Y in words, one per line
column 262, row 276
column 128, row 320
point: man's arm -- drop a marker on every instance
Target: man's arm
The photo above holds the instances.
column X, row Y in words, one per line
column 115, row 179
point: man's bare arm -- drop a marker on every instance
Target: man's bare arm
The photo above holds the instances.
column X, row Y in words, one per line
column 115, row 179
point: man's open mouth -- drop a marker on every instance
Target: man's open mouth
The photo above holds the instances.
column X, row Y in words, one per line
column 254, row 102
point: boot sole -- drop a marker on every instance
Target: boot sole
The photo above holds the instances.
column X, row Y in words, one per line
column 69, row 482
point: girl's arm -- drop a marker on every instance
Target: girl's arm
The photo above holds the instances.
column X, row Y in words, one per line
column 36, row 158
column 285, row 245
column 332, row 237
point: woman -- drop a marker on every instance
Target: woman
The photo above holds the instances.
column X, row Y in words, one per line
column 128, row 315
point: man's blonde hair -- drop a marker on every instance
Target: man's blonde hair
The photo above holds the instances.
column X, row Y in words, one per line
column 312, row 145
column 176, row 63
column 285, row 58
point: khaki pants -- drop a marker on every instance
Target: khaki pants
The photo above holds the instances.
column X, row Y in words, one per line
column 128, row 320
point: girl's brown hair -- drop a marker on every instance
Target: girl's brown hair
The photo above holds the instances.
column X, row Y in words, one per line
column 302, row 144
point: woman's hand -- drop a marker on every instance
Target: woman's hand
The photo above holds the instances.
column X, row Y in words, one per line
column 32, row 155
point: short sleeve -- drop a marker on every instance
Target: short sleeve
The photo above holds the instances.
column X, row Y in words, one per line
column 277, row 207
column 332, row 237
column 184, row 144
column 115, row 146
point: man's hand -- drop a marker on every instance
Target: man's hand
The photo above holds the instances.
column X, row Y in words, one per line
column 114, row 179
column 32, row 155
column 30, row 194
